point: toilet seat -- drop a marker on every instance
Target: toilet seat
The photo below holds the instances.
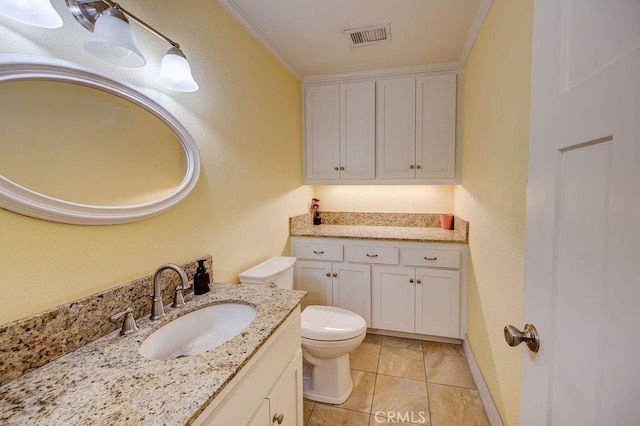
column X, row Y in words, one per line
column 328, row 323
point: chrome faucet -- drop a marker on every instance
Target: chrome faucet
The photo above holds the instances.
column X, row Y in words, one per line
column 157, row 309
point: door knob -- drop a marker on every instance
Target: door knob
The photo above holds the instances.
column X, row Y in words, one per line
column 514, row 337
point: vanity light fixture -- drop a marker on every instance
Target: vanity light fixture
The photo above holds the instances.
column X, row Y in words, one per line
column 113, row 40
column 39, row 13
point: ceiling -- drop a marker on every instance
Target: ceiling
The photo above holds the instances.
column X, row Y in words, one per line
column 308, row 37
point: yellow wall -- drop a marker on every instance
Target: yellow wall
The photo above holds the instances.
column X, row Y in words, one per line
column 492, row 193
column 386, row 198
column 246, row 120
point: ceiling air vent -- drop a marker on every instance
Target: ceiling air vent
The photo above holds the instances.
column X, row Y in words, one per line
column 365, row 36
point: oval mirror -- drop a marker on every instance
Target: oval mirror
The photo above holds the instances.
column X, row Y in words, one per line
column 78, row 147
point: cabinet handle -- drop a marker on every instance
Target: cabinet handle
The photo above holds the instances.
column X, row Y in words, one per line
column 430, row 258
column 372, row 255
column 322, row 252
column 328, row 274
column 336, row 168
column 419, row 281
column 411, row 280
column 411, row 167
column 418, row 166
column 335, row 275
column 278, row 418
column 341, row 168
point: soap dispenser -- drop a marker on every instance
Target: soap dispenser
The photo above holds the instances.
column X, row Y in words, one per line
column 201, row 279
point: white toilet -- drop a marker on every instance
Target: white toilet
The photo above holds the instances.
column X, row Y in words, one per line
column 329, row 334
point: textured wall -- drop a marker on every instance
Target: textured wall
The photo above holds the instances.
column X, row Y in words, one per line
column 246, row 120
column 492, row 195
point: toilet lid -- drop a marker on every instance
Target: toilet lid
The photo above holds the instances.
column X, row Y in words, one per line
column 331, row 323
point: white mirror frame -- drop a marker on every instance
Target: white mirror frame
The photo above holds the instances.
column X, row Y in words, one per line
column 19, row 199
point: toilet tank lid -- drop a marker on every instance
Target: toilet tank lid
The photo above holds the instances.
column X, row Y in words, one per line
column 267, row 269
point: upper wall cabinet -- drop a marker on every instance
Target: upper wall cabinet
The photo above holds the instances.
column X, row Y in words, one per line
column 416, row 127
column 339, row 132
column 391, row 130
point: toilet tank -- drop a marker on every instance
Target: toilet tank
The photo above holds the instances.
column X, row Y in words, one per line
column 277, row 270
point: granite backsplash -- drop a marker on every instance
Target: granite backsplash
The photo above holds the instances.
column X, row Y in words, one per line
column 425, row 220
column 33, row 341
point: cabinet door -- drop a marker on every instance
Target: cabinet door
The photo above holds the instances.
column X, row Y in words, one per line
column 352, row 289
column 357, row 130
column 262, row 415
column 438, row 302
column 285, row 398
column 436, row 126
column 393, row 298
column 314, row 277
column 322, row 132
column 396, row 128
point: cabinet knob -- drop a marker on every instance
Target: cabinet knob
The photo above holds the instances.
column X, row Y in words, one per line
column 318, row 252
column 336, row 168
column 430, row 258
column 411, row 280
column 419, row 281
column 278, row 418
column 329, row 274
column 373, row 256
column 341, row 168
column 411, row 167
column 335, row 275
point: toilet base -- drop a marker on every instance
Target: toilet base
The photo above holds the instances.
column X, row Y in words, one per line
column 327, row 381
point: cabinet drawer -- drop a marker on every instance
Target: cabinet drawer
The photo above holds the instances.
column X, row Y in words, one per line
column 318, row 251
column 431, row 257
column 371, row 254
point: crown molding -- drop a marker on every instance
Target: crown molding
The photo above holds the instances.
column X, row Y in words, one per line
column 232, row 7
column 384, row 72
column 481, row 14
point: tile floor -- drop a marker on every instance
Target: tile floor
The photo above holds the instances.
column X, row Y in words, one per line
column 404, row 381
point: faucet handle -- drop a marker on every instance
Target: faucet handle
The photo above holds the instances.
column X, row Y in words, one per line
column 178, row 297
column 129, row 325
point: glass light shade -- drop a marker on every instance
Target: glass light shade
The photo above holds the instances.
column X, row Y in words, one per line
column 175, row 72
column 113, row 41
column 39, row 13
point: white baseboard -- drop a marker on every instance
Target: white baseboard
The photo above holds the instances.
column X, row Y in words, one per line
column 483, row 389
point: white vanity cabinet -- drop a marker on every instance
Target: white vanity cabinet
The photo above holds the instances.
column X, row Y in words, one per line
column 397, row 286
column 398, row 129
column 417, row 300
column 339, row 132
column 268, row 389
column 343, row 285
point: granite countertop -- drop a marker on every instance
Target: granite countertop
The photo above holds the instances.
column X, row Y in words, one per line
column 395, row 233
column 108, row 382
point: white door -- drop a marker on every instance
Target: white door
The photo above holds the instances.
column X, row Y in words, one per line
column 436, row 126
column 393, row 298
column 352, row 289
column 396, row 128
column 285, row 398
column 322, row 132
column 438, row 302
column 315, row 278
column 357, row 130
column 583, row 216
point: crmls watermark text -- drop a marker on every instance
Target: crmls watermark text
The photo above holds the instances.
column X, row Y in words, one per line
column 400, row 417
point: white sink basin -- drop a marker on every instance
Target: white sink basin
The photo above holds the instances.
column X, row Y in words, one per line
column 198, row 331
